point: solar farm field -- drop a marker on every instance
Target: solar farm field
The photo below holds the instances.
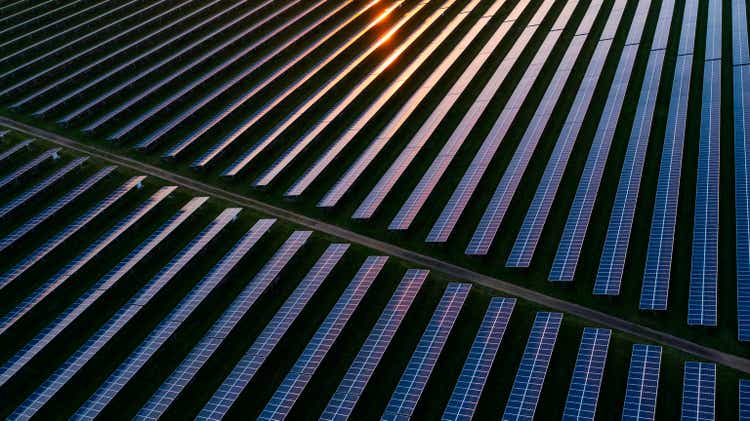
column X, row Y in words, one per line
column 567, row 170
column 123, row 296
column 479, row 132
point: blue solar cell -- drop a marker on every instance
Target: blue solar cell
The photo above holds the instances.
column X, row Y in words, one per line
column 713, row 31
column 689, row 23
column 334, row 110
column 536, row 216
column 742, row 196
column 545, row 193
column 643, row 383
column 587, row 375
column 744, row 397
column 527, row 386
column 201, row 352
column 124, row 314
column 612, row 263
column 740, row 51
column 162, row 46
column 414, row 378
column 655, row 287
column 85, row 300
column 698, row 391
column 54, row 208
column 705, row 246
column 244, row 371
column 741, row 106
column 166, row 328
column 294, row 383
column 468, row 389
column 88, row 106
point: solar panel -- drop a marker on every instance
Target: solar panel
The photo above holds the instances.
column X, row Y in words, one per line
column 24, row 197
column 8, row 17
column 124, row 314
column 656, row 276
column 527, row 386
column 713, row 31
column 422, row 362
column 72, row 267
column 575, row 228
column 407, row 155
column 4, row 155
column 612, row 263
column 742, row 197
column 309, row 137
column 458, row 201
column 282, row 401
column 166, row 328
column 541, row 204
column 244, row 371
column 689, row 23
column 587, row 375
column 740, row 49
column 205, row 55
column 39, row 16
column 226, row 141
column 494, row 214
column 216, row 150
column 53, row 242
column 85, row 300
column 385, row 135
column 705, row 246
column 343, row 401
column 643, row 383
column 698, row 391
column 744, row 398
column 52, row 70
column 201, row 352
column 54, row 208
column 140, row 119
column 661, row 35
column 28, row 166
column 437, row 168
column 468, row 389
column 23, row 35
column 160, row 47
column 287, row 120
column 536, row 216
column 62, row 48
column 164, row 104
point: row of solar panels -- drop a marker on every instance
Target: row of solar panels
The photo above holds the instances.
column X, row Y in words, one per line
column 702, row 305
column 582, row 396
